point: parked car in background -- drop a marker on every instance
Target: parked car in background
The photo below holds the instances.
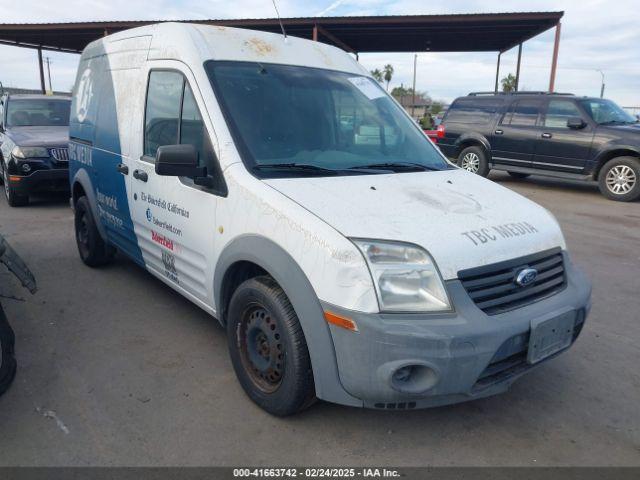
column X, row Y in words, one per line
column 559, row 135
column 14, row 263
column 34, row 136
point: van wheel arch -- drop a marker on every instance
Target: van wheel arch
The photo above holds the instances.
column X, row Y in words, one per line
column 250, row 254
column 83, row 186
column 238, row 273
column 77, row 192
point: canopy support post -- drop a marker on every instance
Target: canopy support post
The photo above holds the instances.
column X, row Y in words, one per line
column 518, row 67
column 42, row 86
column 554, row 60
column 497, row 72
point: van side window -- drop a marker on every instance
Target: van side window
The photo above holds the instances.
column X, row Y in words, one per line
column 172, row 117
column 193, row 131
column 559, row 111
column 523, row 113
column 162, row 112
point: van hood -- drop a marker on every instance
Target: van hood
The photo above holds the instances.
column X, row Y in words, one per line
column 53, row 136
column 462, row 219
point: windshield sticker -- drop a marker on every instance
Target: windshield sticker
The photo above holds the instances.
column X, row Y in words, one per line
column 367, row 87
column 499, row 232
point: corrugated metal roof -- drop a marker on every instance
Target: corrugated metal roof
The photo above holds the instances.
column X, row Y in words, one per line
column 391, row 33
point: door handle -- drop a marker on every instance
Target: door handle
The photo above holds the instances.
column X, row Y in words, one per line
column 499, row 132
column 140, row 175
column 546, row 135
column 122, row 168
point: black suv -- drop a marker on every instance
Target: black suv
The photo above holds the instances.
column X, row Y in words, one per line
column 34, row 142
column 550, row 134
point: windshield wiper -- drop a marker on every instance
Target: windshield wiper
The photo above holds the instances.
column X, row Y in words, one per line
column 396, row 167
column 301, row 167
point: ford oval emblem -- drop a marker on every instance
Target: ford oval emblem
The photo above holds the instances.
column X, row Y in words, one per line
column 526, row 276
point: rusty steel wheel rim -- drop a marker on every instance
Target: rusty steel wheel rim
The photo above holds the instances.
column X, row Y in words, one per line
column 261, row 348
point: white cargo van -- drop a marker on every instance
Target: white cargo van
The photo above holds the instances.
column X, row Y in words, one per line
column 275, row 184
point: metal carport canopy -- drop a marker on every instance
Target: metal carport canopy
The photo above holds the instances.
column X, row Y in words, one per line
column 411, row 33
column 478, row 32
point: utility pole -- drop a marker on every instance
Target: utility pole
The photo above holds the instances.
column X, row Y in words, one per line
column 49, row 73
column 413, row 101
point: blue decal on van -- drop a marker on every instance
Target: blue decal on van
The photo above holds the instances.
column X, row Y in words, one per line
column 95, row 147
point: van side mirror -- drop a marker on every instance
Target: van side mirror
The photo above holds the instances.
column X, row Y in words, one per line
column 179, row 161
column 576, row 123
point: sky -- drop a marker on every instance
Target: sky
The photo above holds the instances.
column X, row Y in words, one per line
column 596, row 35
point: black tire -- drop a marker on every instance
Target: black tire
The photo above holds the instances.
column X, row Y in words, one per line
column 14, row 199
column 7, row 354
column 519, row 175
column 619, row 179
column 474, row 159
column 94, row 251
column 268, row 349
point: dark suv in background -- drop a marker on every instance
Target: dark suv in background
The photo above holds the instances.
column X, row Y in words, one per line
column 539, row 133
column 34, row 142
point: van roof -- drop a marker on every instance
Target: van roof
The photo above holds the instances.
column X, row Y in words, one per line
column 189, row 43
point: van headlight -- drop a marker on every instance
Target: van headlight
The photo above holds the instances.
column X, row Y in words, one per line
column 29, row 152
column 405, row 277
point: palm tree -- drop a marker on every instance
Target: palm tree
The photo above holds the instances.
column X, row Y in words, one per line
column 377, row 74
column 508, row 83
column 388, row 74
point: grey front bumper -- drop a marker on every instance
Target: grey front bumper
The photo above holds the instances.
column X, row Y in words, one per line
column 459, row 349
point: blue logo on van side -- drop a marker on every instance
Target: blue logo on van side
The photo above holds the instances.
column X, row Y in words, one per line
column 149, row 214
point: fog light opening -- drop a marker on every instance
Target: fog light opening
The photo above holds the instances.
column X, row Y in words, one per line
column 414, row 378
column 403, row 374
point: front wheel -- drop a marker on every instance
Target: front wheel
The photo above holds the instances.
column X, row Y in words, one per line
column 14, row 199
column 268, row 348
column 7, row 358
column 619, row 179
column 474, row 159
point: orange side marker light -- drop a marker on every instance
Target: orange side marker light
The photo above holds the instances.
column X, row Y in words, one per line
column 340, row 321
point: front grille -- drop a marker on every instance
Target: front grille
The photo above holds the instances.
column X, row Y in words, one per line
column 493, row 287
column 60, row 154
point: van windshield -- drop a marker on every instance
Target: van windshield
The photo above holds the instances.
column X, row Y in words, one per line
column 38, row 112
column 301, row 121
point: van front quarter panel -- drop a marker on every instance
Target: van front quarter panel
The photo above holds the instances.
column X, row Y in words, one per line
column 274, row 260
column 334, row 266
